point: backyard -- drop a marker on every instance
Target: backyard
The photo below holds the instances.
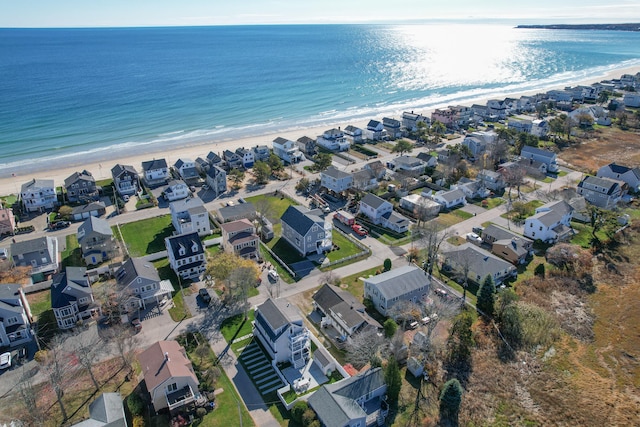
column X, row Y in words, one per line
column 179, row 311
column 72, row 255
column 146, row 236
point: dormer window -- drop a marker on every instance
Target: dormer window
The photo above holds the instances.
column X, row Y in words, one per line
column 194, row 247
column 182, row 251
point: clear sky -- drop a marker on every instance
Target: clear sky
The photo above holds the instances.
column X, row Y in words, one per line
column 100, row 13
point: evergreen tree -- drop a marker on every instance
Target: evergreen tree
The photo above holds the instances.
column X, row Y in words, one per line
column 486, row 297
column 450, row 399
column 387, row 264
column 393, row 379
column 390, row 328
column 460, row 340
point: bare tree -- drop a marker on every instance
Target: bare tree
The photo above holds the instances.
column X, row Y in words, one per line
column 430, row 238
column 57, row 369
column 404, row 311
column 122, row 338
column 30, row 398
column 265, row 208
column 85, row 347
column 364, row 347
column 514, row 177
column 240, row 281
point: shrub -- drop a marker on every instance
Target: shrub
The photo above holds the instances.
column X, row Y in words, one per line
column 387, row 264
column 298, row 410
column 201, row 412
column 135, row 404
column 40, row 356
column 138, row 421
column 308, row 417
column 390, row 328
column 539, row 270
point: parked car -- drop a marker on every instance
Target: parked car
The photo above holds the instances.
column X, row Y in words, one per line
column 359, row 230
column 204, row 295
column 474, row 238
column 3, row 253
column 273, row 275
column 59, row 225
column 137, row 324
column 5, row 360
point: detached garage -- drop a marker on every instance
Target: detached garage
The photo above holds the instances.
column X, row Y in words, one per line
column 83, row 212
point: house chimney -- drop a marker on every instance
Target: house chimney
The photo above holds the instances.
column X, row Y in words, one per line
column 166, row 356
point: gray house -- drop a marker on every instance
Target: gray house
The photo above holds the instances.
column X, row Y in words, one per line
column 15, row 316
column 306, row 231
column 216, row 180
column 236, row 212
column 602, row 192
column 356, row 401
column 41, row 254
column 96, row 241
column 90, row 209
column 543, row 156
column 307, row 145
column 631, row 176
column 478, row 264
column 81, row 187
column 139, row 284
column 72, row 298
column 125, row 179
column 407, row 283
column 155, row 172
column 106, row 411
column 186, row 255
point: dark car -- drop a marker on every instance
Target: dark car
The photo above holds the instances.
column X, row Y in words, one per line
column 137, row 324
column 59, row 225
column 204, row 294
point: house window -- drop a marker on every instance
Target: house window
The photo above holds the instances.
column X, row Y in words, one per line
column 12, row 320
column 172, row 387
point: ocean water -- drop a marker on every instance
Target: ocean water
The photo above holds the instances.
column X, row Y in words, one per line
column 72, row 95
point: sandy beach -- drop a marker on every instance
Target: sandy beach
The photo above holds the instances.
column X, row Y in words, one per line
column 102, row 169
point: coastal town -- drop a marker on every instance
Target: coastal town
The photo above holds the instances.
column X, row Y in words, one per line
column 322, row 281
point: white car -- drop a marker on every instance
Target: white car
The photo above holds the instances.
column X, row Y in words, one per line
column 3, row 253
column 273, row 275
column 474, row 238
column 5, row 360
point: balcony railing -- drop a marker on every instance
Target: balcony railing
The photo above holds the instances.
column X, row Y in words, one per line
column 180, row 397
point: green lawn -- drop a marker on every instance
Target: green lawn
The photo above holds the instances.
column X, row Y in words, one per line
column 276, row 204
column 39, row 302
column 236, row 326
column 212, row 250
column 448, row 219
column 461, row 214
column 347, row 247
column 72, row 255
column 490, row 203
column 284, row 274
column 284, row 251
column 354, row 285
column 179, row 311
column 472, row 288
column 146, row 236
column 9, row 200
column 548, row 180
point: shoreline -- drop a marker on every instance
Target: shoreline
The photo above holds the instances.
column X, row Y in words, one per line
column 101, row 162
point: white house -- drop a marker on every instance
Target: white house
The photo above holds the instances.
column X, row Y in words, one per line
column 333, row 140
column 449, row 199
column 15, row 316
column 380, row 212
column 186, row 168
column 429, row 160
column 544, row 156
column 472, row 189
column 168, row 375
column 72, row 298
column 190, row 215
column 155, row 172
column 280, row 328
column 602, row 192
column 306, row 231
column 364, row 179
column 550, row 223
column 186, row 255
column 406, row 283
column 353, row 134
column 335, row 180
column 630, row 176
column 492, row 180
column 176, row 190
column 420, row 205
column 408, row 164
column 375, row 131
column 248, row 157
column 631, row 99
column 216, row 179
column 287, row 150
column 261, row 152
column 38, row 195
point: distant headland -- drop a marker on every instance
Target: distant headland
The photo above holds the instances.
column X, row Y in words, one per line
column 608, row 27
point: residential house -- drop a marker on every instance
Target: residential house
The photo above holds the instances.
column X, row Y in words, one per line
column 7, row 220
column 453, row 116
column 539, row 128
column 602, row 192
column 364, row 180
column 176, row 190
column 631, row 99
column 379, row 170
column 96, row 241
column 497, row 109
column 446, row 116
column 530, row 167
column 546, row 157
column 41, row 254
column 392, row 126
column 507, row 244
column 421, row 206
column 15, row 316
column 410, row 121
column 236, row 212
column 72, row 297
column 81, row 212
column 375, row 131
column 307, row 145
column 81, row 187
column 38, row 195
column 335, row 180
column 106, row 411
column 287, row 150
column 239, row 237
column 139, row 285
column 186, row 168
column 333, row 140
column 586, row 116
column 353, row 134
column 155, row 172
column 477, row 146
column 168, row 376
column 478, row 264
column 212, row 159
column 492, row 180
column 356, row 401
column 186, row 255
column 125, row 179
column 429, row 160
column 630, row 176
column 408, row 164
column 406, row 283
column 449, row 199
column 479, row 112
column 380, row 212
column 341, row 310
column 189, row 215
column 306, row 231
column 216, row 179
column 202, row 165
column 233, row 160
column 472, row 189
column 261, row 153
column 280, row 328
column 551, row 222
column 248, row 157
